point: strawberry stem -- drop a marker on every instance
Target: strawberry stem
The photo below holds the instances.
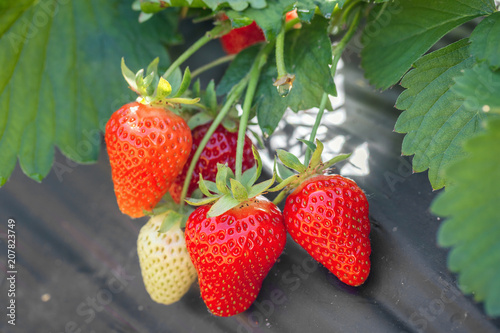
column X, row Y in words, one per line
column 280, row 197
column 284, row 82
column 280, row 52
column 216, row 32
column 247, row 104
column 314, row 130
column 212, row 64
column 337, row 53
column 341, row 45
column 231, row 99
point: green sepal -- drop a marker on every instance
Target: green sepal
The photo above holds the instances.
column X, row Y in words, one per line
column 202, row 185
column 150, row 82
column 128, row 75
column 172, row 218
column 180, row 100
column 159, row 209
column 290, row 160
column 200, row 202
column 289, row 180
column 186, row 81
column 155, row 90
column 337, row 159
column 309, row 144
column 225, row 203
column 210, row 97
column 152, row 78
column 199, row 119
column 153, row 66
column 230, row 125
column 139, row 82
column 285, row 183
column 248, row 175
column 258, row 170
column 143, row 17
column 258, row 138
column 221, row 180
column 284, row 171
column 196, row 88
column 239, row 191
column 212, row 187
column 275, row 170
column 316, row 156
column 261, row 187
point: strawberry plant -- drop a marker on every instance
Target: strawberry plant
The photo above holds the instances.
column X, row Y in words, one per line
column 181, row 150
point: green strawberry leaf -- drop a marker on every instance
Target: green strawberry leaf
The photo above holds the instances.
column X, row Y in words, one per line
column 312, row 75
column 436, row 120
column 311, row 69
column 238, row 68
column 307, row 8
column 65, row 56
column 398, row 34
column 472, row 228
column 480, row 87
column 155, row 6
column 485, row 41
column 270, row 18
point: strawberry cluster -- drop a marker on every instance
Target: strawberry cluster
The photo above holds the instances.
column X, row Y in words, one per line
column 164, row 154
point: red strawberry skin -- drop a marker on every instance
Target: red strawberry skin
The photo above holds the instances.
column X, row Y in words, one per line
column 234, row 252
column 328, row 216
column 147, row 149
column 221, row 148
column 241, row 38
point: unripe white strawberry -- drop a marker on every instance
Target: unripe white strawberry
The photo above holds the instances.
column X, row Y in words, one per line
column 166, row 268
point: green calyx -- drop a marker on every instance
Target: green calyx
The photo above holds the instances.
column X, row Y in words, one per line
column 171, row 211
column 288, row 180
column 155, row 90
column 227, row 192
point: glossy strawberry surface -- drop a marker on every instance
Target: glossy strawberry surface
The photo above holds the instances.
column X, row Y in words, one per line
column 221, row 148
column 241, row 38
column 234, row 252
column 328, row 216
column 147, row 149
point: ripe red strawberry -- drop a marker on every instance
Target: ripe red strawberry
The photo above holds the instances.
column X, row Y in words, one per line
column 328, row 216
column 147, row 149
column 221, row 148
column 234, row 252
column 240, row 38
